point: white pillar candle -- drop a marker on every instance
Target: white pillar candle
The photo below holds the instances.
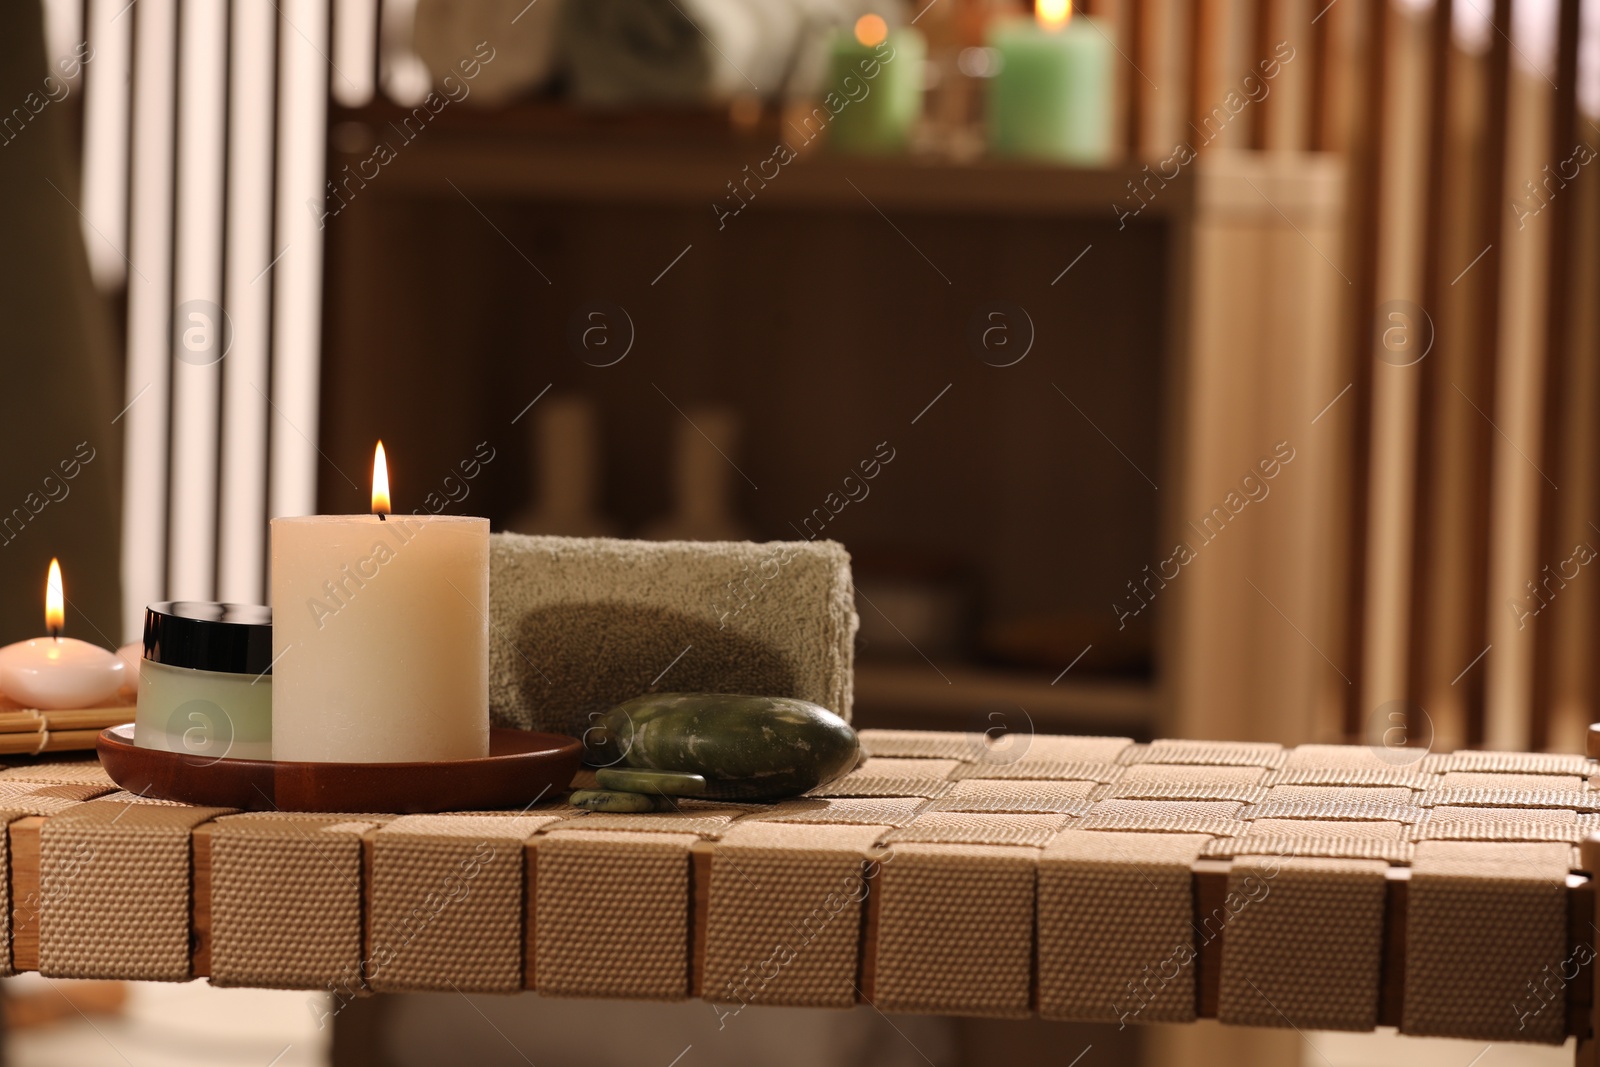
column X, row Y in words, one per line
column 380, row 637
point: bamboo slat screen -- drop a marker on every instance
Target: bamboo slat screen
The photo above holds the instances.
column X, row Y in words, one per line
column 203, row 127
column 1471, row 266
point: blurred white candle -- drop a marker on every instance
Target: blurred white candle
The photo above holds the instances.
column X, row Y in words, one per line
column 132, row 655
column 380, row 636
column 55, row 671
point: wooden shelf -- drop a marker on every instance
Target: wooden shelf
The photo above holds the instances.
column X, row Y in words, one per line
column 913, row 694
column 675, row 158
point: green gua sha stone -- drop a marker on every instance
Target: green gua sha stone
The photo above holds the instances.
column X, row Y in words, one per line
column 618, row 803
column 666, row 783
column 746, row 747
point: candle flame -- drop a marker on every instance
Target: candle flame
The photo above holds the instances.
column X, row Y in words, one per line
column 380, row 482
column 1053, row 14
column 871, row 30
column 55, row 612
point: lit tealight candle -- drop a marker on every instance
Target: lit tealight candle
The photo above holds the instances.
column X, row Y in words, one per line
column 59, row 672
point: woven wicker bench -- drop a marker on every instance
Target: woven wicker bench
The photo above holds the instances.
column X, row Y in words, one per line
column 1330, row 887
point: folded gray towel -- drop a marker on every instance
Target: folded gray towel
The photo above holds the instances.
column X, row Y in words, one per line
column 579, row 624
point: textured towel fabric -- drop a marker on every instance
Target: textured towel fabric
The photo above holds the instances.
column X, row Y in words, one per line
column 1305, row 946
column 1485, row 924
column 578, row 625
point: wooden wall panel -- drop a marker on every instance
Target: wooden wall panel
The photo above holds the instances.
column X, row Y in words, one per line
column 1254, row 620
column 1400, row 212
column 1365, row 165
column 1582, row 698
column 1444, row 640
column 1288, row 126
column 1422, row 618
column 1555, row 533
column 1515, row 474
column 1480, row 386
column 1168, row 26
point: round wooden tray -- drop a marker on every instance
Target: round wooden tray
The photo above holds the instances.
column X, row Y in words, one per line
column 521, row 768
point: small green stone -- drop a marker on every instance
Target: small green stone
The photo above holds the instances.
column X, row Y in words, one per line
column 746, row 747
column 618, row 802
column 666, row 783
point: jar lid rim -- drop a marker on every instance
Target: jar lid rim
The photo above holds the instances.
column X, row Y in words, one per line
column 203, row 635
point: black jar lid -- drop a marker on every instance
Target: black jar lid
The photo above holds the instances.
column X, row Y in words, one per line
column 202, row 636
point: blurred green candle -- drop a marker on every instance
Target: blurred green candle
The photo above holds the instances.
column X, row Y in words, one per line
column 1051, row 98
column 874, row 88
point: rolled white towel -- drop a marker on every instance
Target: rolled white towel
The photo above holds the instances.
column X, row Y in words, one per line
column 701, row 51
column 522, row 34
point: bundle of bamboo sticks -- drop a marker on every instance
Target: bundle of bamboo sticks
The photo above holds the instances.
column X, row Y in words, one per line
column 29, row 731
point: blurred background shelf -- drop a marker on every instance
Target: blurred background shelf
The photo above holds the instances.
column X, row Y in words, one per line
column 688, row 157
column 959, row 697
column 838, row 316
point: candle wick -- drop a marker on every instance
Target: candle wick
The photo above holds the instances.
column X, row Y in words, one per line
column 55, row 632
column 382, row 517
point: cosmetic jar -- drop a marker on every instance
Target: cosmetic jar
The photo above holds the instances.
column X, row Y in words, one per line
column 205, row 683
